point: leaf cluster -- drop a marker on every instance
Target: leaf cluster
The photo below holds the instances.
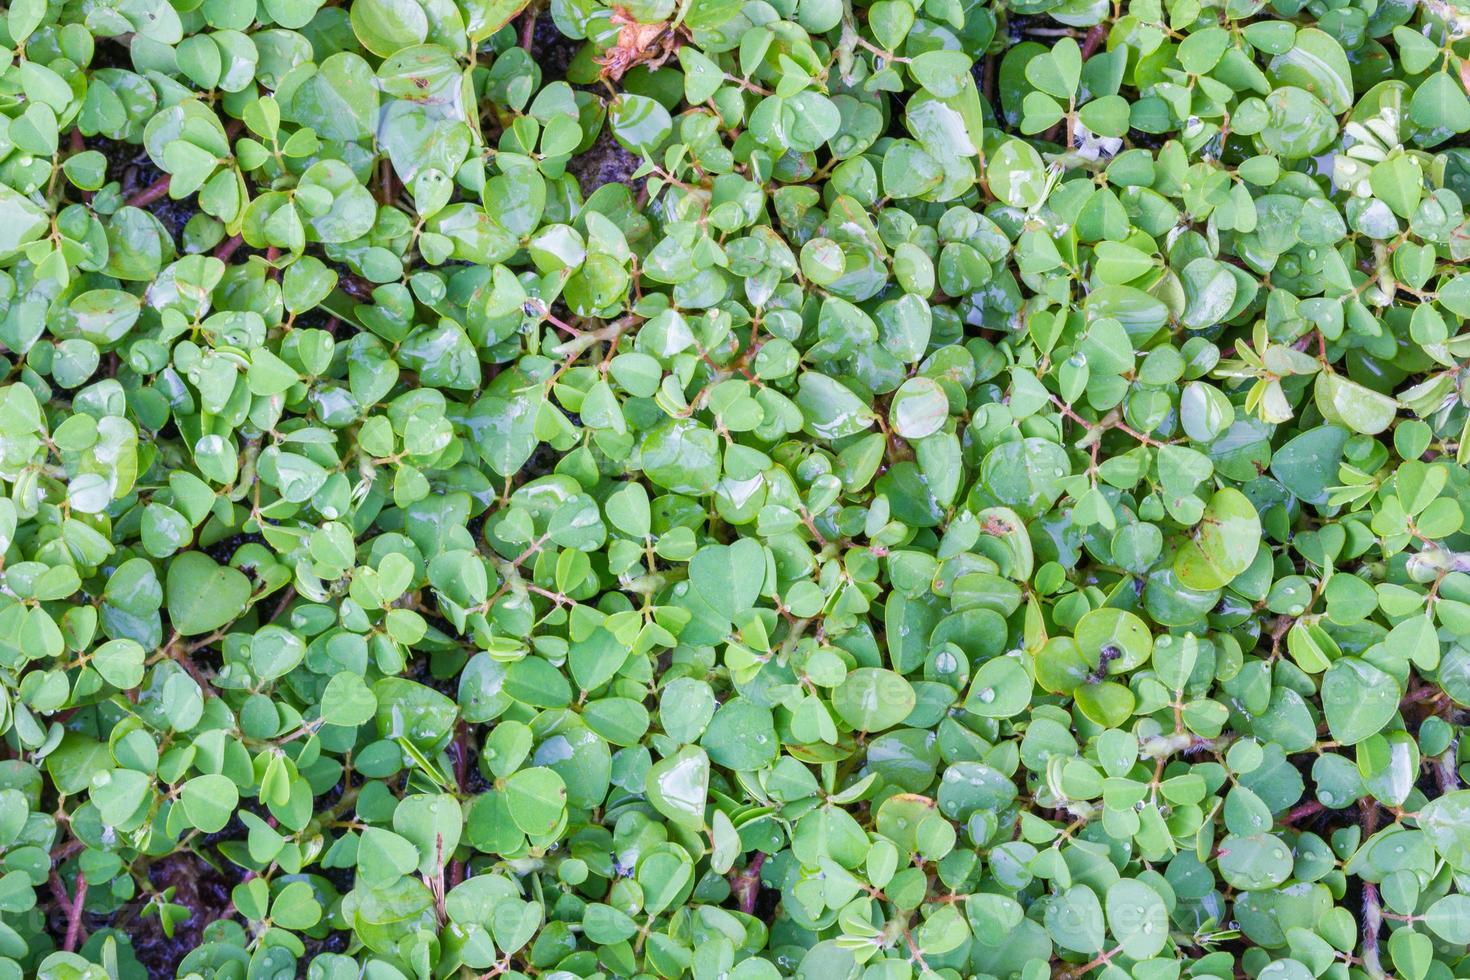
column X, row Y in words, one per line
column 876, row 489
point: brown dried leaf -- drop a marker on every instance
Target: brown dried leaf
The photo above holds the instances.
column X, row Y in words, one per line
column 637, row 44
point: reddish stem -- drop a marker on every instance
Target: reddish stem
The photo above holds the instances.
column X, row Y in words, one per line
column 74, row 915
column 286, row 598
column 462, row 742
column 1372, row 923
column 746, row 886
column 356, row 286
column 528, row 29
column 185, row 659
column 462, row 755
column 1446, row 773
column 1427, row 692
column 66, row 850
column 227, row 248
column 1093, row 41
column 1301, row 812
column 58, row 891
column 388, row 185
column 153, row 192
column 74, row 929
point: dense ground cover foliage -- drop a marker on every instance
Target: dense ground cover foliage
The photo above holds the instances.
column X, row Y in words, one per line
column 734, row 489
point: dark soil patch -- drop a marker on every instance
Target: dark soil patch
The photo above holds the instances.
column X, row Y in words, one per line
column 342, row 879
column 174, row 214
column 199, row 887
column 134, row 171
column 766, row 902
column 122, row 158
column 111, row 53
column 421, row 671
column 224, row 549
column 1032, row 27
column 605, row 163
column 333, row 942
column 475, row 781
column 552, row 50
column 542, row 462
column 235, row 829
column 318, row 318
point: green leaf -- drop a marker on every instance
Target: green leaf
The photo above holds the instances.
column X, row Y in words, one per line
column 432, row 823
column 1358, row 699
column 678, row 786
column 729, row 577
column 1352, row 405
column 941, row 72
column 203, row 596
column 1449, row 919
column 536, row 799
column 1222, row 545
column 1001, row 689
column 872, row 699
column 1137, row 918
column 209, row 801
